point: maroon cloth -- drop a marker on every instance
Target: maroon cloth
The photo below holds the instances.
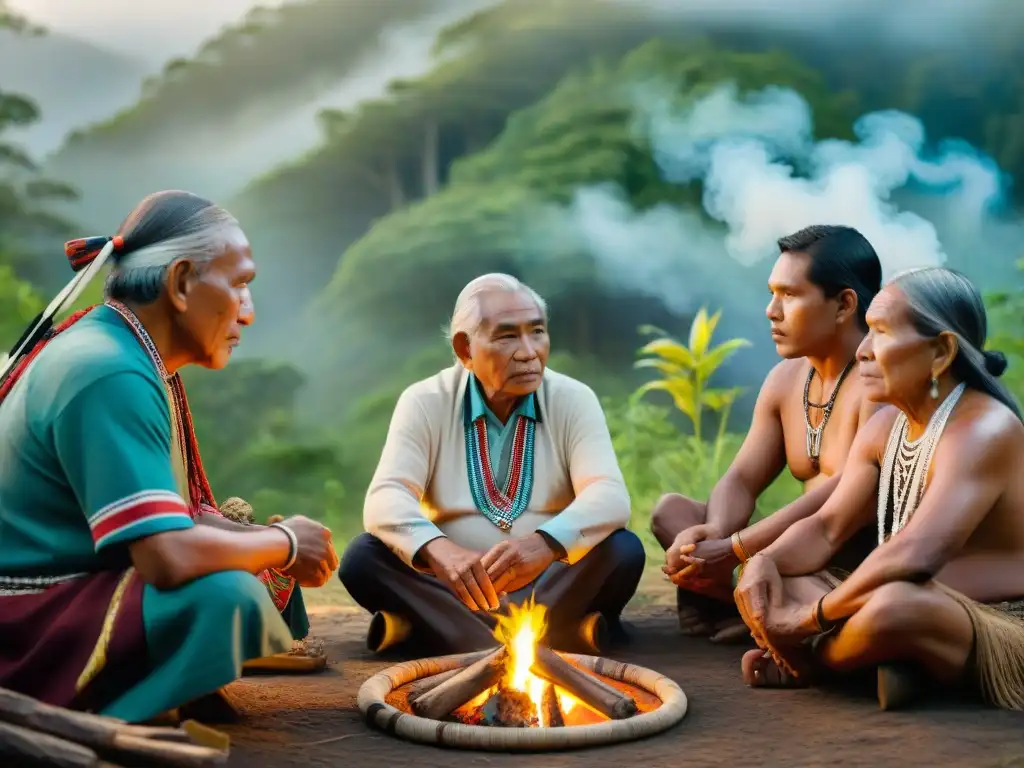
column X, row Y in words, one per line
column 46, row 640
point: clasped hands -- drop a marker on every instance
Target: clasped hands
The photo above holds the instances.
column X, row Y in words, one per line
column 773, row 618
column 700, row 559
column 480, row 578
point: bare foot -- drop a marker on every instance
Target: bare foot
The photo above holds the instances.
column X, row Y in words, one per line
column 761, row 671
column 730, row 632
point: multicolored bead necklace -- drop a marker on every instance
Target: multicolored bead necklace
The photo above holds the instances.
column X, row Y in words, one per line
column 501, row 506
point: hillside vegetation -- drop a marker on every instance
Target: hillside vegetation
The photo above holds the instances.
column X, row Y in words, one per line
column 364, row 241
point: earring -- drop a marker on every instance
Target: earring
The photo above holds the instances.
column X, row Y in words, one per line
column 934, row 391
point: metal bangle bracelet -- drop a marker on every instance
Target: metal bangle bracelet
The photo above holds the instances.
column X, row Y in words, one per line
column 293, row 545
column 738, row 549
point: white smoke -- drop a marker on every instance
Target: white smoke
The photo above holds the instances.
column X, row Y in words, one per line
column 764, row 176
column 748, row 152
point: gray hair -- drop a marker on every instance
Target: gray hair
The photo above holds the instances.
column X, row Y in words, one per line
column 944, row 301
column 163, row 230
column 466, row 317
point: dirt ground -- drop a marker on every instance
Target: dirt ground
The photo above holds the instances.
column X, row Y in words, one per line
column 313, row 721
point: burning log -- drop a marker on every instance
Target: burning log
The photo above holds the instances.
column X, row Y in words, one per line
column 552, row 711
column 469, row 683
column 514, row 709
column 589, row 689
column 30, row 728
column 424, row 684
column 418, row 687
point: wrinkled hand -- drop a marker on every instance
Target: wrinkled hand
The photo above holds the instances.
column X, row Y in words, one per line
column 462, row 572
column 708, row 562
column 759, row 587
column 674, row 560
column 316, row 559
column 790, row 623
column 514, row 563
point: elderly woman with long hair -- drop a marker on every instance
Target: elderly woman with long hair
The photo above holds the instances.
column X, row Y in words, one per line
column 940, row 473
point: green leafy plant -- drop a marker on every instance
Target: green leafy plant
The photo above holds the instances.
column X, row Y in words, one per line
column 686, row 371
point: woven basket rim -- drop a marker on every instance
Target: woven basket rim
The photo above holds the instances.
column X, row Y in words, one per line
column 411, row 727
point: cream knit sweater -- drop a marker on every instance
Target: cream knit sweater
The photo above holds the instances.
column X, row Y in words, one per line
column 420, row 490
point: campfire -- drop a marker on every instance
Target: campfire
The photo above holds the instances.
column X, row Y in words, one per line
column 521, row 684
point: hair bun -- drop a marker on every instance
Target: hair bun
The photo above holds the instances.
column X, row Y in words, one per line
column 995, row 362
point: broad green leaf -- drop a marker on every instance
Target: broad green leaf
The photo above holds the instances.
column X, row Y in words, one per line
column 667, row 368
column 670, row 350
column 700, row 335
column 680, row 390
column 717, row 399
column 714, row 359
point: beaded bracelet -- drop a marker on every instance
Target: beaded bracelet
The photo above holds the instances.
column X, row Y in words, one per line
column 293, row 545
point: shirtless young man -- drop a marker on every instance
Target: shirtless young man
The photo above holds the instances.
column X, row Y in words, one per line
column 821, row 286
column 937, row 475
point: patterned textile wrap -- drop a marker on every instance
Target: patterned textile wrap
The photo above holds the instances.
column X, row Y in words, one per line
column 278, row 584
column 77, row 643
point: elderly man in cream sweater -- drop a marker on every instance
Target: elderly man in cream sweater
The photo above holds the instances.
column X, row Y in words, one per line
column 497, row 481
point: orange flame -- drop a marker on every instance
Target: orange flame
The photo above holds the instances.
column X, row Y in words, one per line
column 519, row 632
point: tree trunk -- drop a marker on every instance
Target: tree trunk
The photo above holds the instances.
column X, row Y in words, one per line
column 431, row 158
column 394, row 183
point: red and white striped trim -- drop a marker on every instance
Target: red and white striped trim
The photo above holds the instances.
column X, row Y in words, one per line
column 142, row 507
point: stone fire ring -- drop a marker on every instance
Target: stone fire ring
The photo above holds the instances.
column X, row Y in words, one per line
column 372, row 694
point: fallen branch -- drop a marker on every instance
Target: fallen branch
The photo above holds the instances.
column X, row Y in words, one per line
column 97, row 735
column 588, row 688
column 470, row 682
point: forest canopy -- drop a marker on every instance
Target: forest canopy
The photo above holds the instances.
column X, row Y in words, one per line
column 477, row 164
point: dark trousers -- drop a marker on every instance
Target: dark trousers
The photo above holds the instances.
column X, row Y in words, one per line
column 602, row 582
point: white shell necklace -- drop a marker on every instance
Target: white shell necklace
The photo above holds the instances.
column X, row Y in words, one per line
column 906, row 463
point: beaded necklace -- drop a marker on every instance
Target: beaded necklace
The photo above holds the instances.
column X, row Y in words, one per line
column 502, row 506
column 814, row 434
column 905, row 467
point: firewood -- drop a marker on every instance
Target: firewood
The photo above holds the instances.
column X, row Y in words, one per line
column 106, row 735
column 552, row 710
column 20, row 745
column 418, row 687
column 458, row 689
column 588, row 688
column 514, row 709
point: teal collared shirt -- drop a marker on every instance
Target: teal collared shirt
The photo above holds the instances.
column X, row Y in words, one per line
column 499, row 436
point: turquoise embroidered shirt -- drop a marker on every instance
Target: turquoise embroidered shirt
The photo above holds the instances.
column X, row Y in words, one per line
column 499, row 436
column 85, row 454
column 499, row 444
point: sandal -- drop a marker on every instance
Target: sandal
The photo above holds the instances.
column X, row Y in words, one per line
column 761, row 671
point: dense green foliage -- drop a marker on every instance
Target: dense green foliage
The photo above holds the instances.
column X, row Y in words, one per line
column 364, row 241
column 23, row 212
column 272, row 57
